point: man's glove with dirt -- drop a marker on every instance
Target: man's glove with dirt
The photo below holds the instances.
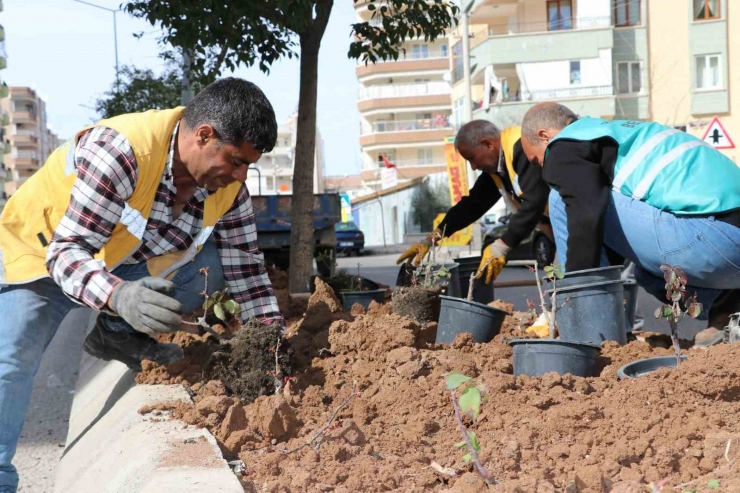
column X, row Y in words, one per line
column 492, row 261
column 417, row 251
column 147, row 305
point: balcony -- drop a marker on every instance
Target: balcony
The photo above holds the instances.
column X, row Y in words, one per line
column 597, row 101
column 23, row 116
column 407, row 169
column 25, row 163
column 24, row 139
column 404, row 95
column 4, row 90
column 541, row 41
column 391, row 132
column 413, row 62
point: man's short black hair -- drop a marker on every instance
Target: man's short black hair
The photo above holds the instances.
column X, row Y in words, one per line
column 238, row 110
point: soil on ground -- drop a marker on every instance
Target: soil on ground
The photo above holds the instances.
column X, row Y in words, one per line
column 676, row 429
column 418, row 303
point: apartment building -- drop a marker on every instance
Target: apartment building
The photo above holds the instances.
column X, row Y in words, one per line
column 27, row 140
column 694, row 47
column 404, row 110
column 273, row 173
column 3, row 115
column 590, row 55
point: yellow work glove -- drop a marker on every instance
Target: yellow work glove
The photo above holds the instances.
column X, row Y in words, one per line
column 540, row 327
column 492, row 261
column 417, row 251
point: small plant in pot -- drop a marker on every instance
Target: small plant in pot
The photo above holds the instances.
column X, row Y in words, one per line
column 465, row 315
column 681, row 304
column 420, row 301
column 352, row 290
column 535, row 357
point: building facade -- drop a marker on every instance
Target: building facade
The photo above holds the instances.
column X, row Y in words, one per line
column 694, row 47
column 404, row 109
column 27, row 139
column 590, row 55
column 273, row 173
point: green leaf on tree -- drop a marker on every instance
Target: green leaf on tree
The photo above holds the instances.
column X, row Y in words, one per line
column 461, row 444
column 470, row 402
column 695, row 310
column 219, row 311
column 455, row 379
column 474, row 441
column 207, row 304
column 713, row 484
column 467, row 458
column 548, row 269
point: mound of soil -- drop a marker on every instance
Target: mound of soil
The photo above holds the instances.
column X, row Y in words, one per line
column 548, row 434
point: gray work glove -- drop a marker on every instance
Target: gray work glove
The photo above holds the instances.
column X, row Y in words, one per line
column 145, row 304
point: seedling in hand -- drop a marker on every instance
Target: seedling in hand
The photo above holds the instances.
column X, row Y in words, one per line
column 675, row 286
column 473, row 393
column 218, row 304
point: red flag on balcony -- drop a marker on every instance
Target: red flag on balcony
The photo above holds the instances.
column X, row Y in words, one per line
column 387, row 163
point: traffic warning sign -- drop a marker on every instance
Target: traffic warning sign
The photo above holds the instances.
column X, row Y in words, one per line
column 717, row 137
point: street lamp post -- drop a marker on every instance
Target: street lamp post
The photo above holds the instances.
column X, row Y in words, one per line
column 115, row 36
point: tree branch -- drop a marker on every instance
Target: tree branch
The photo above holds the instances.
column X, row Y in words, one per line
column 476, row 460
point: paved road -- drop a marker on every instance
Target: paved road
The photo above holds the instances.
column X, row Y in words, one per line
column 383, row 269
column 45, row 429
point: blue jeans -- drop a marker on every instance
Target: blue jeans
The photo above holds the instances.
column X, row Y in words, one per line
column 706, row 249
column 29, row 317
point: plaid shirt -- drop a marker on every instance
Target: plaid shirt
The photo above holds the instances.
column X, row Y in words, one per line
column 107, row 173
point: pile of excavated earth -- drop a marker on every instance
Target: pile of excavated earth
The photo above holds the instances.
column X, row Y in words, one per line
column 268, row 398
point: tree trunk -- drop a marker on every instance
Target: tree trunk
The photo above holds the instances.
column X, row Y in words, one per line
column 301, row 234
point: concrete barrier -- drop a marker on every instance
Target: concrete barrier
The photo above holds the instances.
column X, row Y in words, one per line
column 111, row 448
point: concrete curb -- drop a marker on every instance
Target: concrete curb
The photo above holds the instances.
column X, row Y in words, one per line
column 111, row 448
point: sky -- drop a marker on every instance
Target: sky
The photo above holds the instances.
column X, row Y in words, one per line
column 65, row 51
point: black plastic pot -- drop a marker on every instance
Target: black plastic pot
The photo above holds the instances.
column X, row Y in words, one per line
column 535, row 357
column 594, row 312
column 364, row 298
column 648, row 365
column 630, row 303
column 610, row 273
column 458, row 315
column 452, row 287
column 482, row 292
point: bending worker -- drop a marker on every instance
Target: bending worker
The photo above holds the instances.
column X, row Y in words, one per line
column 507, row 173
column 649, row 193
column 121, row 219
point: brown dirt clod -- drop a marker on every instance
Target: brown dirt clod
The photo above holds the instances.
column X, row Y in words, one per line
column 417, row 303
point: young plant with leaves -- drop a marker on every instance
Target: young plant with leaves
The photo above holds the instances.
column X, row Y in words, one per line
column 218, row 304
column 472, row 393
column 676, row 294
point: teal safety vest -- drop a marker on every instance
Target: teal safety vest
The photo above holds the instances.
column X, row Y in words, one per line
column 664, row 167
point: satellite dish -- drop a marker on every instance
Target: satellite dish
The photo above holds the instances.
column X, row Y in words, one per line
column 447, row 76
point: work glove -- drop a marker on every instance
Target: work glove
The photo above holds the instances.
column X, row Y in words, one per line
column 492, row 261
column 417, row 251
column 540, row 327
column 147, row 305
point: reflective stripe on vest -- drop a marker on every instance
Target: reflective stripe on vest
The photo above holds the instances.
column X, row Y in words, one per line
column 662, row 166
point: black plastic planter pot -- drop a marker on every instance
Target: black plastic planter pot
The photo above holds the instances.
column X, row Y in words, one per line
column 594, row 312
column 535, row 357
column 452, row 287
column 630, row 303
column 364, row 298
column 482, row 292
column 458, row 315
column 648, row 365
column 600, row 274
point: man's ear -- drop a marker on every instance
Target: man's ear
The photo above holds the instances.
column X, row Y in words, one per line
column 543, row 136
column 204, row 133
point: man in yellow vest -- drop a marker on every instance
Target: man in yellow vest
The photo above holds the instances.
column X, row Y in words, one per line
column 121, row 219
column 507, row 173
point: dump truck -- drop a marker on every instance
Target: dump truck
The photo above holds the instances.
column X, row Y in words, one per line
column 272, row 215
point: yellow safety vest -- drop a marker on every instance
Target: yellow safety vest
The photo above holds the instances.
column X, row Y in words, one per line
column 509, row 137
column 32, row 214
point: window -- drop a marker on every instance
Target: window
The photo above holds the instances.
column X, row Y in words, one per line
column 706, row 9
column 423, row 121
column 390, row 155
column 457, row 62
column 708, row 74
column 458, row 109
column 559, row 15
column 629, row 77
column 419, row 51
column 575, row 73
column 626, row 12
column 443, row 48
column 425, row 156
